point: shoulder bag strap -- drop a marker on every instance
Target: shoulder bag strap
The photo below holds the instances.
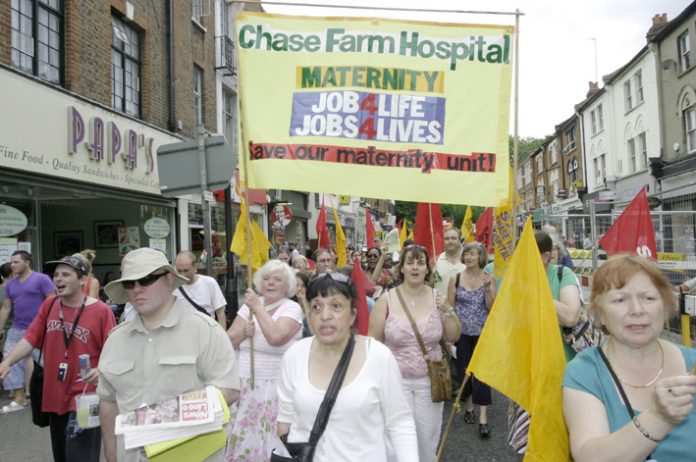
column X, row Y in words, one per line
column 190, row 300
column 560, row 273
column 617, row 382
column 413, row 323
column 329, row 400
column 43, row 339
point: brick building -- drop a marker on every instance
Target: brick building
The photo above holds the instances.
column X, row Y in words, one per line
column 92, row 89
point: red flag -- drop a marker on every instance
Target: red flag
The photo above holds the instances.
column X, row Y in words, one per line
column 323, row 240
column 428, row 230
column 633, row 231
column 369, row 229
column 362, row 318
column 484, row 229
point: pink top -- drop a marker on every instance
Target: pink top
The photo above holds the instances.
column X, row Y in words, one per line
column 401, row 340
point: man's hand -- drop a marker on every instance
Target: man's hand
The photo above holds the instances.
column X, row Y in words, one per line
column 93, row 377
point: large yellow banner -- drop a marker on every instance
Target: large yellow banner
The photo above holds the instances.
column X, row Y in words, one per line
column 376, row 108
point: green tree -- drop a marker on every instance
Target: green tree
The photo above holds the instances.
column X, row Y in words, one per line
column 407, row 210
column 527, row 144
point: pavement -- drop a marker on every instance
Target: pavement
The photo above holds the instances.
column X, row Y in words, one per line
column 22, row 441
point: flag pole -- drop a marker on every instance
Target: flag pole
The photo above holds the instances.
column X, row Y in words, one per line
column 456, row 407
column 432, row 232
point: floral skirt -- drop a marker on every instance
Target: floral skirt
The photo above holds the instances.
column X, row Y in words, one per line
column 253, row 422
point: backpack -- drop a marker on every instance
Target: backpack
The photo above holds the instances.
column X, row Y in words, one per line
column 584, row 334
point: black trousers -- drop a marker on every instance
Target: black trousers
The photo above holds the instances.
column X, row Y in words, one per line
column 481, row 391
column 70, row 444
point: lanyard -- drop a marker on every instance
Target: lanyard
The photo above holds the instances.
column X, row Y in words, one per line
column 68, row 337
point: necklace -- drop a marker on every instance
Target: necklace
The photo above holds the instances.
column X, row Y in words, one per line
column 659, row 373
column 412, row 297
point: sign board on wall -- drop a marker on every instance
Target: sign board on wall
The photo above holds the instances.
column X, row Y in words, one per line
column 12, row 221
column 60, row 135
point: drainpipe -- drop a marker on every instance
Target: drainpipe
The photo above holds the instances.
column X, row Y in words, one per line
column 170, row 45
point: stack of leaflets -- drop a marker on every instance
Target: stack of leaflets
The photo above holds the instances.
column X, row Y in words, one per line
column 189, row 414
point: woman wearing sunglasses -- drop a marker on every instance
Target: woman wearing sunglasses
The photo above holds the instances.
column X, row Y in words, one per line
column 370, row 404
column 275, row 326
column 435, row 321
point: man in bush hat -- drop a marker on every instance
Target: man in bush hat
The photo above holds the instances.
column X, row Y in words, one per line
column 166, row 350
column 66, row 327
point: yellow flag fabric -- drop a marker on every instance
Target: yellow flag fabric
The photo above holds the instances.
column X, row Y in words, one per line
column 520, row 351
column 403, row 234
column 502, row 239
column 419, row 111
column 259, row 243
column 467, row 227
column 340, row 240
column 410, row 234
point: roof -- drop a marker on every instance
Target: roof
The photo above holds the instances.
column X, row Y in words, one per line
column 661, row 33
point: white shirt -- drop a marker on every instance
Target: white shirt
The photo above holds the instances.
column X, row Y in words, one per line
column 205, row 292
column 267, row 357
column 367, row 409
column 445, row 270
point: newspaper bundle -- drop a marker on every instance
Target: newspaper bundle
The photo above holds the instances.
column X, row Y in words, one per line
column 188, row 414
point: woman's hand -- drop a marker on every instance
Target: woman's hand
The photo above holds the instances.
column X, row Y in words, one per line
column 252, row 300
column 441, row 302
column 673, row 398
column 249, row 329
column 487, row 281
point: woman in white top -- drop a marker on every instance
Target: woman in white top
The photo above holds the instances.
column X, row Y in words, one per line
column 276, row 324
column 370, row 405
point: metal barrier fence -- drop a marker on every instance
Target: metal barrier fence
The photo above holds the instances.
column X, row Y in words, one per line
column 675, row 235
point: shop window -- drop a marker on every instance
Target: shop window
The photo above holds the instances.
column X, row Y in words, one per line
column 125, row 67
column 37, row 43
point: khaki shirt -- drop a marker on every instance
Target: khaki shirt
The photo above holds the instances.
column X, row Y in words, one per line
column 445, row 270
column 188, row 351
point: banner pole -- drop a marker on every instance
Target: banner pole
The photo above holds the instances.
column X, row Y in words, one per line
column 516, row 118
column 432, row 233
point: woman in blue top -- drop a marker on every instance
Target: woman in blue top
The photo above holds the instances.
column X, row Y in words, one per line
column 471, row 292
column 632, row 399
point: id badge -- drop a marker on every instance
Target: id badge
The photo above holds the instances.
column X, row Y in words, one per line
column 62, row 371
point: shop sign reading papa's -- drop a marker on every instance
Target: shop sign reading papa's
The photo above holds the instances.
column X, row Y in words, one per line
column 106, row 141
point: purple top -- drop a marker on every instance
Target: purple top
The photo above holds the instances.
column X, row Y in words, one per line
column 471, row 310
column 27, row 297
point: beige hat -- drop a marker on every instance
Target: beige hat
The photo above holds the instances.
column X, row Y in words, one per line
column 136, row 265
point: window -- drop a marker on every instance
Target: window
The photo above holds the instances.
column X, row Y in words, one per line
column 36, row 38
column 638, row 80
column 632, row 155
column 224, row 18
column 628, row 98
column 603, row 161
column 573, row 171
column 228, row 108
column 125, row 67
column 593, row 121
column 643, row 149
column 690, row 128
column 570, row 137
column 600, row 118
column 684, row 51
column 554, row 153
column 540, row 163
column 198, row 94
column 598, row 172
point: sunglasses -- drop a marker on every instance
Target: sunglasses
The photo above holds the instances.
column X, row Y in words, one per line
column 144, row 282
column 336, row 276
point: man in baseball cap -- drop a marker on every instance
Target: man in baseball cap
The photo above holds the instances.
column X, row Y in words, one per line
column 79, row 326
column 166, row 350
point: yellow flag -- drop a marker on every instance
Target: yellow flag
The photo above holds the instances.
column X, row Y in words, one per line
column 404, row 232
column 520, row 352
column 259, row 243
column 410, row 234
column 502, row 239
column 340, row 240
column 467, row 228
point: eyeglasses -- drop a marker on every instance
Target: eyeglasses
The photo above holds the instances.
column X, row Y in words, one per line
column 144, row 282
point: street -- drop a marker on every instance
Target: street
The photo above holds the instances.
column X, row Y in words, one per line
column 21, row 440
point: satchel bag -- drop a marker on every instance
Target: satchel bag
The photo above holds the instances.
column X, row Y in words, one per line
column 304, row 452
column 584, row 334
column 38, row 417
column 439, row 371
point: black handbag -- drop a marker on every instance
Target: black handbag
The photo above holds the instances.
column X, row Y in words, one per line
column 38, row 417
column 304, row 452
